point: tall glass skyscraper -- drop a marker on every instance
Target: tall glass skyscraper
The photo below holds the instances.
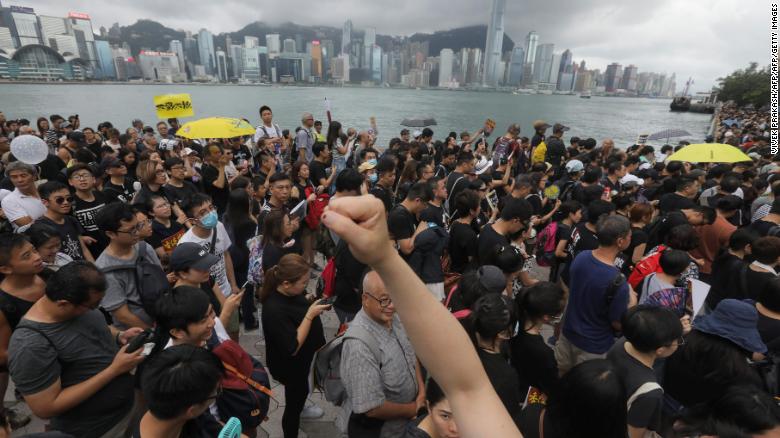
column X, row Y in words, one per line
column 208, row 56
column 494, row 43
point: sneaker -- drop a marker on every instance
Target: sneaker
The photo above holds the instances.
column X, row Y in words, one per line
column 16, row 419
column 312, row 412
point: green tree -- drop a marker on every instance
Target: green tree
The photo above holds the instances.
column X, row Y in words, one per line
column 748, row 86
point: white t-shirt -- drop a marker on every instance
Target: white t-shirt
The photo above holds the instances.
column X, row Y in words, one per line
column 263, row 131
column 17, row 205
column 219, row 270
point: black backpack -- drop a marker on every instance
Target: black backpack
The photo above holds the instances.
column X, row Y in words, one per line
column 150, row 279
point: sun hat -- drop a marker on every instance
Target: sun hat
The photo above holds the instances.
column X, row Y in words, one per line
column 736, row 321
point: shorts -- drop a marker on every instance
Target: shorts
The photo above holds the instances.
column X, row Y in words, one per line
column 233, row 326
column 568, row 355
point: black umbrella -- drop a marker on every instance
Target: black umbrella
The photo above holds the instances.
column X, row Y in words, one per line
column 669, row 133
column 418, row 122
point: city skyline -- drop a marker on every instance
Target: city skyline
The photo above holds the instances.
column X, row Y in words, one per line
column 688, row 37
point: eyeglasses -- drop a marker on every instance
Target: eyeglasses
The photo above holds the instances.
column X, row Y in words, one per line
column 134, row 231
column 59, row 200
column 82, row 176
column 383, row 302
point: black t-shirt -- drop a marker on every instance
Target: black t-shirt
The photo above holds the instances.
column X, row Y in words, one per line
column 488, row 241
column 761, row 227
column 638, row 237
column 385, row 195
column 70, row 231
column 658, row 231
column 241, row 154
column 349, row 278
column 219, row 196
column 504, row 380
column 401, row 223
column 273, row 253
column 86, row 212
column 581, row 239
column 456, row 182
column 281, row 317
column 646, row 410
column 769, row 329
column 672, row 202
column 534, row 362
column 756, row 281
column 463, row 244
column 317, row 172
column 435, row 214
column 563, row 232
column 726, row 278
column 166, row 237
column 122, row 193
column 180, row 195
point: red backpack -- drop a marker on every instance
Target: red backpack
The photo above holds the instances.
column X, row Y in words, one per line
column 645, row 267
column 545, row 245
column 327, row 279
column 315, row 208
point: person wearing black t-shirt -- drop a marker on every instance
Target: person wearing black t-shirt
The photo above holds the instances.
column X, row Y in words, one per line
column 117, row 187
column 383, row 189
column 459, row 179
column 402, row 222
column 293, row 333
column 532, row 358
column 514, row 218
column 681, row 199
column 463, row 239
column 650, row 333
column 215, row 182
column 318, row 167
column 434, row 212
column 88, row 204
column 178, row 190
column 696, row 215
column 583, row 235
column 59, row 201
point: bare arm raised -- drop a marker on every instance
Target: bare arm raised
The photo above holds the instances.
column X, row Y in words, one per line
column 433, row 331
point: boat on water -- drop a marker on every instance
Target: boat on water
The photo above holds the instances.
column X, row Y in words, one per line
column 684, row 102
column 524, row 91
column 585, row 96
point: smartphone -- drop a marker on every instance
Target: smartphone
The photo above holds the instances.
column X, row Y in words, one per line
column 243, row 286
column 328, row 301
column 140, row 340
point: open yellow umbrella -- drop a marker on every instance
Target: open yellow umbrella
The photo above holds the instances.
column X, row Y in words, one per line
column 216, row 127
column 709, row 153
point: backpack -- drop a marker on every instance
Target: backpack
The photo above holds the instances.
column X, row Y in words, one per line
column 254, row 272
column 150, row 280
column 327, row 279
column 324, row 243
column 643, row 389
column 645, row 267
column 327, row 363
column 460, row 314
column 316, row 208
column 545, row 245
column 245, row 395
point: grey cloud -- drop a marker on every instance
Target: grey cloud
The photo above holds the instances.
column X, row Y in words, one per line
column 703, row 39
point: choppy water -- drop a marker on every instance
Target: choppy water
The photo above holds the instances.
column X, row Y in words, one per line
column 620, row 118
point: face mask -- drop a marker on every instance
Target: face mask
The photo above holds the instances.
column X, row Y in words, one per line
column 373, row 178
column 210, row 220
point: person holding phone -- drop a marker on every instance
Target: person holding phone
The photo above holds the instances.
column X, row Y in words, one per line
column 293, row 333
column 268, row 135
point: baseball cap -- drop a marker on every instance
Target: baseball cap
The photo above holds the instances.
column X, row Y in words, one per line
column 188, row 151
column 574, row 166
column 109, row 163
column 65, row 124
column 560, row 128
column 541, row 124
column 629, row 178
column 416, row 133
column 188, row 255
column 367, row 165
column 77, row 136
column 492, row 278
column 696, row 173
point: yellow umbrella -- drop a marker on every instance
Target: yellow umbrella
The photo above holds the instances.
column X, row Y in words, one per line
column 216, row 127
column 709, row 153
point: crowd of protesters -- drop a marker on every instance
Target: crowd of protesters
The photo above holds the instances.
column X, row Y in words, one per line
column 487, row 283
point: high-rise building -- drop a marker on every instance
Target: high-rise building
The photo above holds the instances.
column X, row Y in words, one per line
column 250, row 41
column 6, row 40
column 584, row 81
column 628, row 82
column 191, row 52
column 346, row 38
column 516, row 63
column 251, row 64
column 207, row 52
column 236, row 66
column 328, row 53
column 288, row 46
column 274, row 45
column 445, row 67
column 23, row 25
column 555, row 68
column 105, row 61
column 612, row 77
column 494, row 43
column 50, row 28
column 369, row 40
column 543, row 62
column 80, row 26
column 376, row 64
column 474, row 63
column 222, row 66
column 160, row 66
column 177, row 47
column 316, row 59
column 565, row 79
column 531, row 41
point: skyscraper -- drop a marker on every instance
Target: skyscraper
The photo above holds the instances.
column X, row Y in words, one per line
column 516, row 63
column 288, row 46
column 629, row 81
column 105, row 60
column 531, row 41
column 543, row 62
column 445, row 67
column 346, row 38
column 206, row 49
column 222, row 70
column 612, row 77
column 316, row 59
column 176, row 47
column 80, row 26
column 250, row 41
column 273, row 44
column 494, row 43
column 564, row 83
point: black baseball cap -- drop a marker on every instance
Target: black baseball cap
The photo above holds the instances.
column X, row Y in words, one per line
column 189, row 255
column 110, row 163
column 77, row 136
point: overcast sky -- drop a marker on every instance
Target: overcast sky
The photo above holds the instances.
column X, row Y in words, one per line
column 704, row 39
